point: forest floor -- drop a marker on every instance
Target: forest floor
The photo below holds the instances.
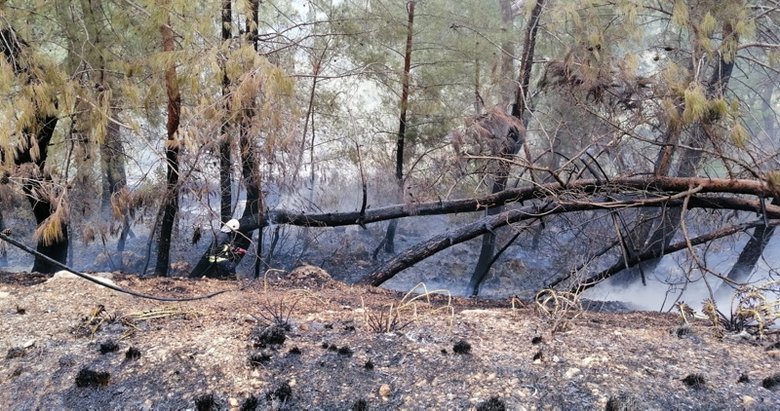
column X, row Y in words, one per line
column 69, row 344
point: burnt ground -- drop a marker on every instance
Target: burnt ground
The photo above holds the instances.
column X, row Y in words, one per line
column 69, row 344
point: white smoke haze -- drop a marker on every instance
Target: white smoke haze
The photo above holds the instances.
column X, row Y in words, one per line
column 667, row 284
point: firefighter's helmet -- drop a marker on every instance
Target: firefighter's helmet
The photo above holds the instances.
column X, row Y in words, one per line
column 230, row 226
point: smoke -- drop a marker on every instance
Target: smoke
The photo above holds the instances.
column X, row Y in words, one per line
column 669, row 284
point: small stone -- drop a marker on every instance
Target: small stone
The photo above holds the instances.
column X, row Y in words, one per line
column 385, row 390
column 292, row 382
column 28, row 343
column 303, row 327
column 571, row 372
column 555, row 358
column 147, row 405
column 748, row 402
column 233, row 402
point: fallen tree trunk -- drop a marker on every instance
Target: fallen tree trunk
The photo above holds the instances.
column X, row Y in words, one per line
column 581, row 188
column 441, row 242
column 577, row 195
column 672, row 248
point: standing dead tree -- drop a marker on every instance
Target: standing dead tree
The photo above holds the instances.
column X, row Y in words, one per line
column 516, row 136
column 389, row 241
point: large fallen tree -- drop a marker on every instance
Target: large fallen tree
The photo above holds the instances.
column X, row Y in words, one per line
column 662, row 187
column 547, row 200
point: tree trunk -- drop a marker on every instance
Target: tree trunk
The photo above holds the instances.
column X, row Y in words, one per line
column 507, row 59
column 441, row 242
column 225, row 161
column 639, row 189
column 652, row 254
column 748, row 257
column 3, row 248
column 756, row 246
column 171, row 202
column 112, row 154
column 309, row 119
column 518, row 139
column 389, row 240
column 659, row 188
column 34, row 150
column 112, row 151
column 691, row 158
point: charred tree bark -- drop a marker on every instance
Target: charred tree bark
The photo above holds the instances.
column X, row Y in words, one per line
column 658, row 253
column 441, row 242
column 517, row 140
column 255, row 207
column 389, row 240
column 225, row 161
column 171, row 203
column 748, row 257
column 34, row 150
column 652, row 187
column 3, row 249
column 250, row 162
column 637, row 192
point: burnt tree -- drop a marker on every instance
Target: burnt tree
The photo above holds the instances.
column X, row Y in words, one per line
column 225, row 161
column 389, row 241
column 517, row 139
column 171, row 201
column 31, row 154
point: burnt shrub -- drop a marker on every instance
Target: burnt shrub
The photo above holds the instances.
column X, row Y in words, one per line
column 108, row 346
column 91, row 378
column 258, row 358
column 282, row 393
column 493, row 404
column 205, row 403
column 461, row 347
column 359, row 405
column 771, row 383
column 695, row 381
column 249, row 404
column 272, row 335
column 132, row 354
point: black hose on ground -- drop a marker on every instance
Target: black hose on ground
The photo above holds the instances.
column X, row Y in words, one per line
column 97, row 281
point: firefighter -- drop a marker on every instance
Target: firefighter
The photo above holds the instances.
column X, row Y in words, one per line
column 228, row 254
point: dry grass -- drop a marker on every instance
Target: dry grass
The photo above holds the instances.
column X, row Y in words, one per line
column 398, row 316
